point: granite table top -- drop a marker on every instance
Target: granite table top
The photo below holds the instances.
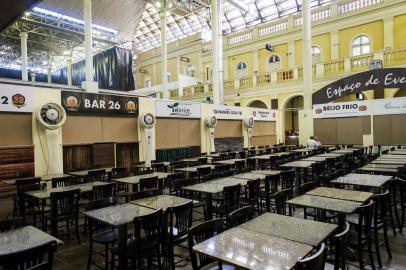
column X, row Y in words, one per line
column 378, row 169
column 389, row 161
column 303, row 150
column 268, row 156
column 24, row 238
column 118, row 215
column 216, row 186
column 43, row 178
column 330, row 155
column 250, row 176
column 398, row 152
column 342, row 194
column 252, row 250
column 315, row 158
column 389, row 166
column 46, row 193
column 330, row 204
column 266, row 172
column 298, row 164
column 161, row 201
column 86, row 172
column 194, row 168
column 367, row 180
column 300, row 230
column 387, row 156
column 135, row 179
column 229, row 161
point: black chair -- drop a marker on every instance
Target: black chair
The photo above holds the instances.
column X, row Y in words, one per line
column 287, row 179
column 19, row 184
column 98, row 233
column 144, row 172
column 62, row 181
column 143, row 194
column 30, row 259
column 30, row 206
column 64, row 208
column 339, row 249
column 303, row 189
column 149, row 183
column 179, row 222
column 98, row 175
column 158, row 167
column 119, row 172
column 271, row 187
column 240, row 216
column 253, row 194
column 402, row 191
column 203, row 174
column 198, row 234
column 314, row 262
column 228, row 201
column 361, row 233
column 104, row 191
column 10, row 224
column 144, row 242
column 280, row 198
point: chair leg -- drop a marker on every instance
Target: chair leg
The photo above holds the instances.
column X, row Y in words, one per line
column 371, row 256
column 106, row 257
column 77, row 229
column 392, row 223
column 385, row 236
column 402, row 220
column 89, row 258
column 378, row 252
column 360, row 257
column 113, row 257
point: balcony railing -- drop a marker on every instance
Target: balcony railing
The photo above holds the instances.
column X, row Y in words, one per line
column 199, row 89
column 334, row 67
column 360, row 63
column 246, row 82
column 263, row 79
column 228, row 85
column 395, row 57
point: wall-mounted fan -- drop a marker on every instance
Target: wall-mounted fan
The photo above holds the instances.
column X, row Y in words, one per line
column 211, row 123
column 147, row 121
column 51, row 117
column 249, row 124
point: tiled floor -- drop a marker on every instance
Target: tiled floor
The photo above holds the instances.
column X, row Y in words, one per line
column 72, row 256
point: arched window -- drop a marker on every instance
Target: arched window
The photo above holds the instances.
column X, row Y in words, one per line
column 242, row 70
column 316, row 55
column 361, row 45
column 147, row 81
column 274, row 63
column 190, row 70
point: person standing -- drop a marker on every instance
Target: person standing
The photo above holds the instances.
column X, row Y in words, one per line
column 312, row 143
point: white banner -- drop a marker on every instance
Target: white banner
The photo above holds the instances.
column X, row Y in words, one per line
column 390, row 106
column 227, row 112
column 177, row 109
column 343, row 109
column 15, row 98
column 264, row 114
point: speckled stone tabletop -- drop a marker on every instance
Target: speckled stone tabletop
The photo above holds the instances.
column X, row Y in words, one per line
column 43, row 178
column 216, row 186
column 393, row 156
column 389, row 161
column 360, row 179
column 46, row 193
column 119, row 214
column 229, row 161
column 336, row 205
column 135, row 179
column 300, row 230
column 330, row 155
column 315, row 158
column 86, row 172
column 161, row 201
column 342, row 194
column 250, row 176
column 389, row 166
column 268, row 156
column 302, row 150
column 378, row 169
column 194, row 168
column 298, row 164
column 252, row 250
column 266, row 172
column 24, row 238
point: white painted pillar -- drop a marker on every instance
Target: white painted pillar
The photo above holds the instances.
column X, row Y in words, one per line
column 307, row 56
column 388, row 33
column 90, row 85
column 69, row 70
column 217, row 52
column 164, row 52
column 255, row 62
column 24, row 56
column 225, row 68
column 334, row 45
column 178, row 67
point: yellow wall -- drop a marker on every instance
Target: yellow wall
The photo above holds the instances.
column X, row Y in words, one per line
column 373, row 30
column 235, row 59
column 280, row 50
column 399, row 31
column 321, row 41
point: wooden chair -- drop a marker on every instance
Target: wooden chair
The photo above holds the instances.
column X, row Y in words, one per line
column 315, row 262
column 240, row 216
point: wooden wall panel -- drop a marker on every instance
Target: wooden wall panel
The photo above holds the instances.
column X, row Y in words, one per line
column 263, row 140
column 103, row 155
column 398, row 129
column 349, row 130
column 390, row 129
column 189, row 132
column 77, row 157
column 175, row 133
column 262, row 128
column 82, row 130
column 16, row 159
column 126, row 154
column 326, row 130
column 16, row 129
column 119, row 129
column 228, row 129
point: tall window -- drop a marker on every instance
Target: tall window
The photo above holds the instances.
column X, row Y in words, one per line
column 361, row 45
column 274, row 63
column 242, row 70
column 190, row 70
column 316, row 55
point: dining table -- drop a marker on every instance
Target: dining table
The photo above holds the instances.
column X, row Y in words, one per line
column 362, row 180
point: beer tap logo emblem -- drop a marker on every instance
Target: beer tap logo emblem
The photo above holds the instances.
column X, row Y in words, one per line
column 18, row 100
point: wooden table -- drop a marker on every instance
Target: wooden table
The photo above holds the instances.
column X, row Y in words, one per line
column 300, row 230
column 365, row 180
column 134, row 180
column 24, row 238
column 251, row 250
column 342, row 194
column 161, row 202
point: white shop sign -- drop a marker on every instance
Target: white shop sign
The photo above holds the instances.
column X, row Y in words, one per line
column 227, row 112
column 264, row 114
column 390, row 106
column 15, row 98
column 343, row 109
column 177, row 109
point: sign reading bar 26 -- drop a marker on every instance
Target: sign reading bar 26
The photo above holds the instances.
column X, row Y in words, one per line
column 87, row 103
column 15, row 98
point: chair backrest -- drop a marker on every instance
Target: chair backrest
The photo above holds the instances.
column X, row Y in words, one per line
column 144, row 172
column 149, row 183
column 281, row 198
column 240, row 165
column 254, row 190
column 240, row 216
column 10, row 224
column 180, row 220
column 340, row 241
column 287, row 178
column 62, row 181
column 198, row 234
column 250, row 163
column 271, row 183
column 32, row 258
column 158, row 167
column 231, row 198
column 203, row 160
column 144, row 194
column 365, row 215
column 26, row 201
column 65, row 203
column 98, row 175
column 147, row 232
column 104, row 191
column 204, row 171
column 382, row 202
column 119, row 172
column 306, row 187
column 100, row 203
column 27, row 181
column 314, row 262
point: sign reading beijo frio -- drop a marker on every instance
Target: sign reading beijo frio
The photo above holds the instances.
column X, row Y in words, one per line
column 99, row 104
column 368, row 80
column 390, row 106
column 342, row 109
column 264, row 114
column 177, row 109
column 14, row 98
column 227, row 112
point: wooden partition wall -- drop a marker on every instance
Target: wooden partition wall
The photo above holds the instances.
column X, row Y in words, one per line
column 228, row 135
column 264, row 133
column 177, row 133
column 346, row 130
column 390, row 129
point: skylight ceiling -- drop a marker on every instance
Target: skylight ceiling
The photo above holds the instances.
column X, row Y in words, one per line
column 147, row 34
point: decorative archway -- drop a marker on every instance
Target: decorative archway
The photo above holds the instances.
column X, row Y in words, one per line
column 257, row 104
column 288, row 118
